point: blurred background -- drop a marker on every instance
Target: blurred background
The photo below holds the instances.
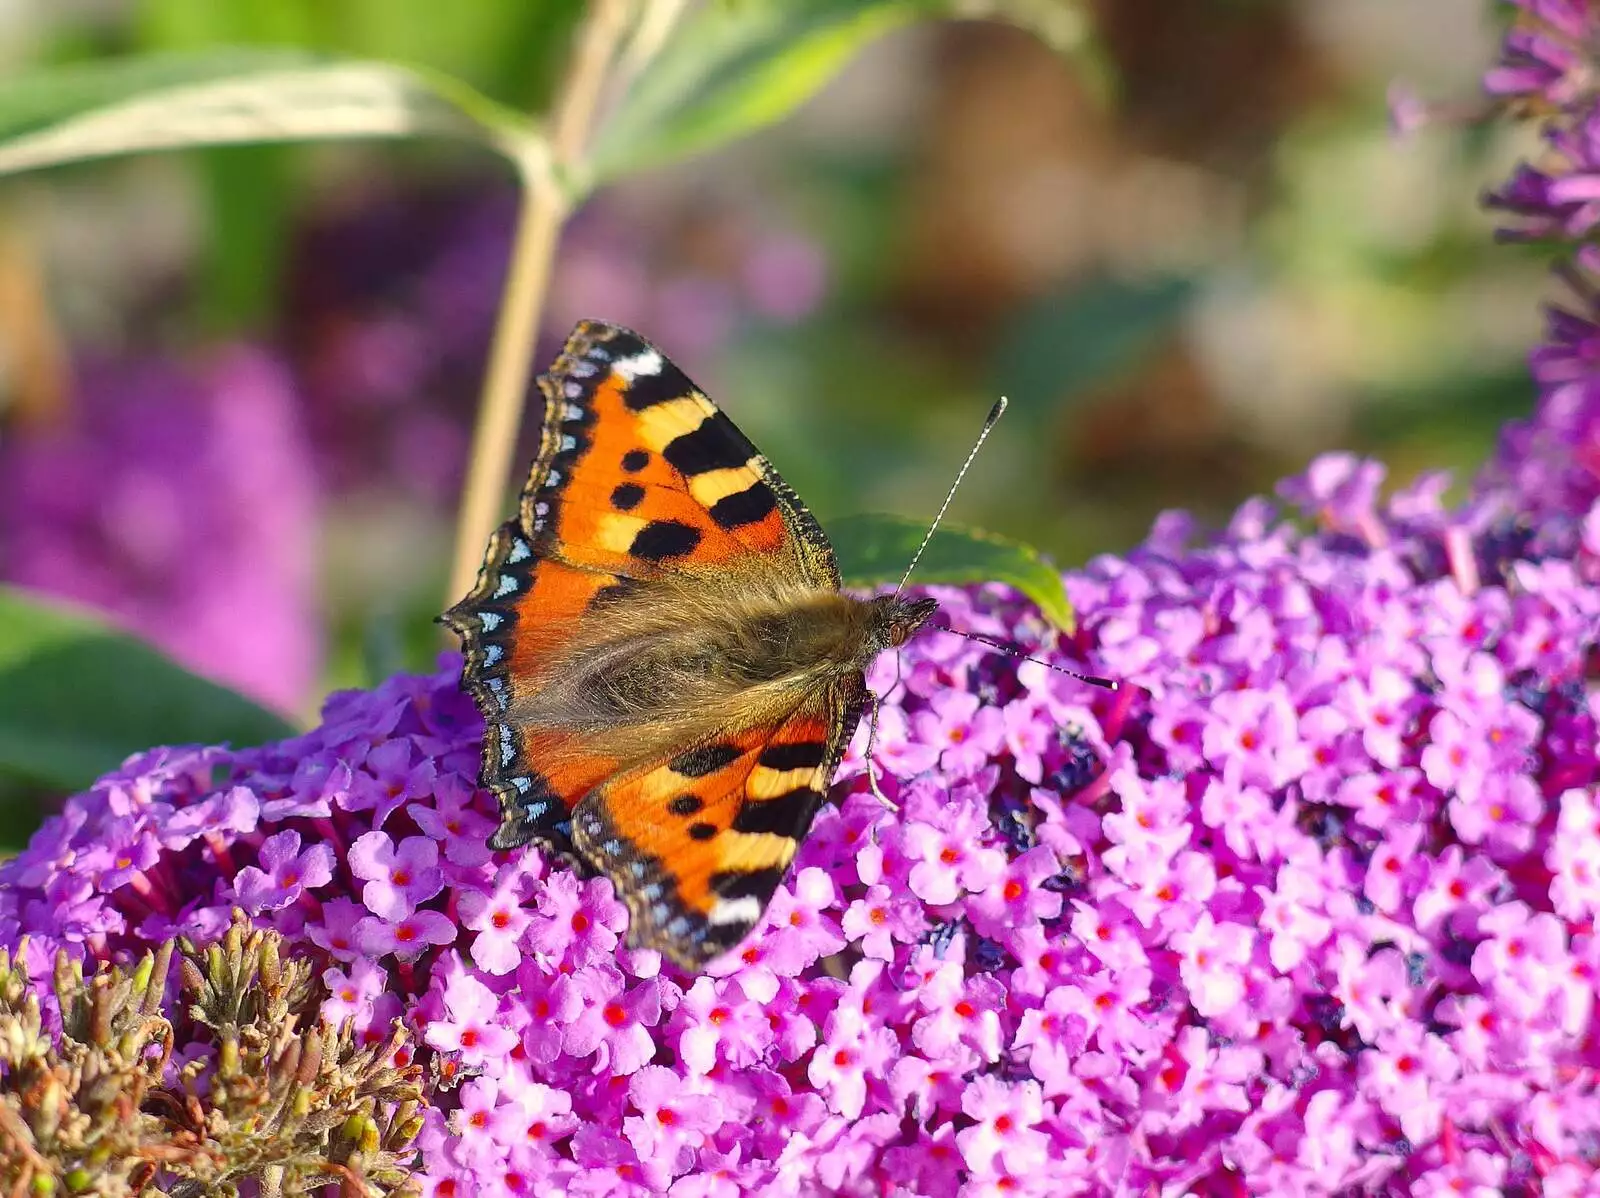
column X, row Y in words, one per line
column 236, row 387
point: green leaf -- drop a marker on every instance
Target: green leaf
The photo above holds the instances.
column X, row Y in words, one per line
column 77, row 696
column 873, row 550
column 734, row 67
column 240, row 273
column 234, row 97
column 1066, row 26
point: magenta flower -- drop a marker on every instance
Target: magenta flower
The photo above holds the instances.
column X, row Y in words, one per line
column 543, row 1115
column 455, row 822
column 803, row 929
column 851, row 1053
column 957, row 1010
column 490, row 1120
column 335, row 933
column 550, row 1001
column 1408, row 1071
column 1006, row 1134
column 879, row 918
column 1018, row 897
column 946, row 857
column 468, row 1028
column 614, row 1021
column 1258, row 732
column 969, row 731
column 391, row 778
column 720, row 1025
column 353, row 993
column 284, row 875
column 498, row 918
column 671, row 1118
column 406, row 938
column 398, row 877
column 1214, row 959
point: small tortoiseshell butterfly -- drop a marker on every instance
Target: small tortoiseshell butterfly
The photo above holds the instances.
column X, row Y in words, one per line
column 658, row 644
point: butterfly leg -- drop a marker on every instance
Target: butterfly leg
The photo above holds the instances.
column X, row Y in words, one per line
column 872, row 770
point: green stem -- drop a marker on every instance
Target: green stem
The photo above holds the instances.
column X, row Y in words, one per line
column 541, row 168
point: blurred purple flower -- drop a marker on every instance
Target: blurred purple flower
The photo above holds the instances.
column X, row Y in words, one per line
column 1546, row 52
column 181, row 503
column 392, row 307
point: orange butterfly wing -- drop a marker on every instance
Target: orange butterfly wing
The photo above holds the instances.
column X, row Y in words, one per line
column 696, row 845
column 637, row 473
column 522, row 609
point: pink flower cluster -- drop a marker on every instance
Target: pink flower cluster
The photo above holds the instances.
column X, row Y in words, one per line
column 1550, row 67
column 1307, row 906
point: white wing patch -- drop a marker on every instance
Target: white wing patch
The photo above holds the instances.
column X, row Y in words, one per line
column 735, row 911
column 646, row 363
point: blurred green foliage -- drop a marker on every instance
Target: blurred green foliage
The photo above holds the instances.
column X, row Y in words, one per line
column 77, row 697
column 510, row 52
column 1071, row 340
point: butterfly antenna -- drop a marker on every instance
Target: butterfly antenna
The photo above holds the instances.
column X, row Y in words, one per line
column 1109, row 684
column 995, row 413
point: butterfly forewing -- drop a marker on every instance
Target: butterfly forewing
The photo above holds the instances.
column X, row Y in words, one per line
column 638, row 471
column 521, row 610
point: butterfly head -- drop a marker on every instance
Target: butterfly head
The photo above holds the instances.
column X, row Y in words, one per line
column 895, row 620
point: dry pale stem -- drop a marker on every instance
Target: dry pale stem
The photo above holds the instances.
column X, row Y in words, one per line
column 29, row 337
column 543, row 211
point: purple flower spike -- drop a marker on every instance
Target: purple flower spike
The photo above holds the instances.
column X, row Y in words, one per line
column 1307, row 905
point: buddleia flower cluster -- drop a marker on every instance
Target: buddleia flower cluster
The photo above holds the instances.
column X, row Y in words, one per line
column 108, row 1089
column 1306, row 907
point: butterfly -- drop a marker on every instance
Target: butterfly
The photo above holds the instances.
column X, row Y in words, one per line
column 668, row 671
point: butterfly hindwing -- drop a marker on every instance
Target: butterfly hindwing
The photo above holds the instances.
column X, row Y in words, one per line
column 511, row 621
column 696, row 844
